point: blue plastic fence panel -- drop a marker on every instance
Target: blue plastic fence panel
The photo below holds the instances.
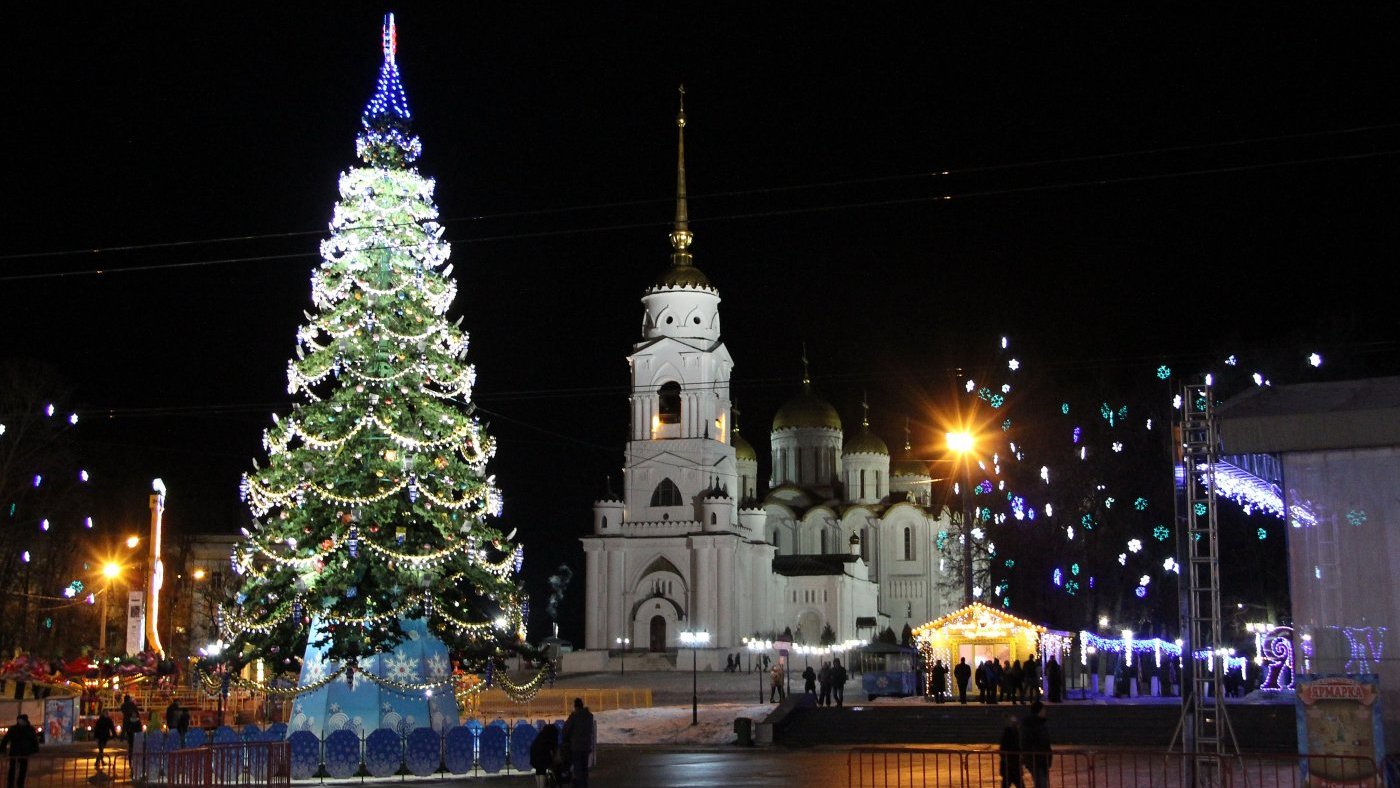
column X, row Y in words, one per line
column 226, row 735
column 423, row 751
column 493, row 748
column 252, row 732
column 383, row 753
column 277, row 731
column 520, row 740
column 342, row 754
column 195, row 737
column 458, row 749
column 306, row 754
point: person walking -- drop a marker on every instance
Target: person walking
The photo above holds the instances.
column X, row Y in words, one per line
column 578, row 742
column 838, row 682
column 19, row 742
column 131, row 722
column 961, row 673
column 182, row 724
column 994, row 672
column 1009, row 753
column 940, row 680
column 544, row 754
column 1035, row 744
column 103, row 729
column 809, row 680
column 776, row 691
column 980, row 677
column 1054, row 678
column 824, row 682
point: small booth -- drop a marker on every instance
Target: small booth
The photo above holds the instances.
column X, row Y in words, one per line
column 978, row 633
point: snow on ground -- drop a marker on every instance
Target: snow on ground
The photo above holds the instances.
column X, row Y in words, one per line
column 672, row 724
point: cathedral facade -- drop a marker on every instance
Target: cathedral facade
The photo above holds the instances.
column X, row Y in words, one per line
column 841, row 536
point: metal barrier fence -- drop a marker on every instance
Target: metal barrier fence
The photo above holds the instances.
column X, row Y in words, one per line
column 551, row 703
column 62, row 770
column 248, row 763
column 907, row 767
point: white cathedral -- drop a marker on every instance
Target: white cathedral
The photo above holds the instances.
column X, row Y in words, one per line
column 843, row 537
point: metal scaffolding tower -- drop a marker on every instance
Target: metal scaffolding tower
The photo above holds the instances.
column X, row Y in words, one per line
column 1205, row 730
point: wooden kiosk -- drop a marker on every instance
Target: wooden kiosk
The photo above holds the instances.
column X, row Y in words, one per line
column 978, row 633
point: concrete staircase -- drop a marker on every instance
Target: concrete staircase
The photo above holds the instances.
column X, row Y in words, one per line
column 640, row 661
column 1258, row 727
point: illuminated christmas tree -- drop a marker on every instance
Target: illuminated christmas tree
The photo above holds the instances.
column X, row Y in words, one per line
column 372, row 538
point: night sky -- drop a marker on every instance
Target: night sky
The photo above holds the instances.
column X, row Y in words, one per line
column 1107, row 186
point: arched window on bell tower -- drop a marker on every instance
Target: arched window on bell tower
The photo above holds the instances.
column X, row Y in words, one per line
column 669, row 408
column 666, row 494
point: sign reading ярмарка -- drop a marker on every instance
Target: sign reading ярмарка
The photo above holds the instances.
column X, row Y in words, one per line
column 1340, row 730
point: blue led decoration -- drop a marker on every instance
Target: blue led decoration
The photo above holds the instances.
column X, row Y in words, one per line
column 1163, row 372
column 1074, row 569
column 1087, row 521
column 1263, row 534
column 1064, row 408
column 1071, row 587
column 1076, row 435
column 941, row 540
column 1006, row 426
column 1057, row 577
column 1356, row 518
column 1107, row 413
column 1160, row 533
column 1200, row 509
column 1140, row 504
column 388, row 139
column 997, row 400
column 1141, row 592
column 1010, row 563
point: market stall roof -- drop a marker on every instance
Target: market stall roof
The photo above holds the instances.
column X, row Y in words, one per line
column 977, row 618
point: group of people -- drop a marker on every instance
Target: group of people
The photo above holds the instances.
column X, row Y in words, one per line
column 558, row 757
column 1015, row 681
column 828, row 684
column 1025, row 745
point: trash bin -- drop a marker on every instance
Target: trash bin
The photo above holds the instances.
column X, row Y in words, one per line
column 743, row 728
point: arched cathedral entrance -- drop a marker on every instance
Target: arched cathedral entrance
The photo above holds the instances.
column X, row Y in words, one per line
column 657, row 640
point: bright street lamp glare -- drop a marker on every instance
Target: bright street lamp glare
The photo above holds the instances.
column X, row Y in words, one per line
column 199, row 574
column 960, row 442
column 111, row 570
column 132, row 541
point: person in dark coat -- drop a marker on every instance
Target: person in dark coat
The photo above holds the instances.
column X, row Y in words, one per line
column 19, row 742
column 838, row 682
column 940, row 680
column 172, row 715
column 578, row 742
column 131, row 722
column 1009, row 753
column 1055, row 679
column 962, row 672
column 544, row 754
column 980, row 677
column 1030, row 680
column 824, row 682
column 1011, row 682
column 809, row 679
column 182, row 724
column 102, row 732
column 1035, row 744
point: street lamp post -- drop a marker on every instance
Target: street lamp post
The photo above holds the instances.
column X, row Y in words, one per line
column 695, row 640
column 623, row 643
column 962, row 443
column 757, row 647
column 109, row 571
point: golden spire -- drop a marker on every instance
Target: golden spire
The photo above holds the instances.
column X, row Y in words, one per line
column 680, row 236
column 806, row 378
column 865, row 408
column 907, row 443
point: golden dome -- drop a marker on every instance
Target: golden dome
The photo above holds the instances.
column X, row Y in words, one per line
column 864, row 442
column 742, row 449
column 806, row 410
column 684, row 275
column 908, row 466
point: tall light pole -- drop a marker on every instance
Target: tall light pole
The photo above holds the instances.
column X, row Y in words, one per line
column 109, row 571
column 623, row 643
column 695, row 640
column 962, row 443
column 757, row 647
